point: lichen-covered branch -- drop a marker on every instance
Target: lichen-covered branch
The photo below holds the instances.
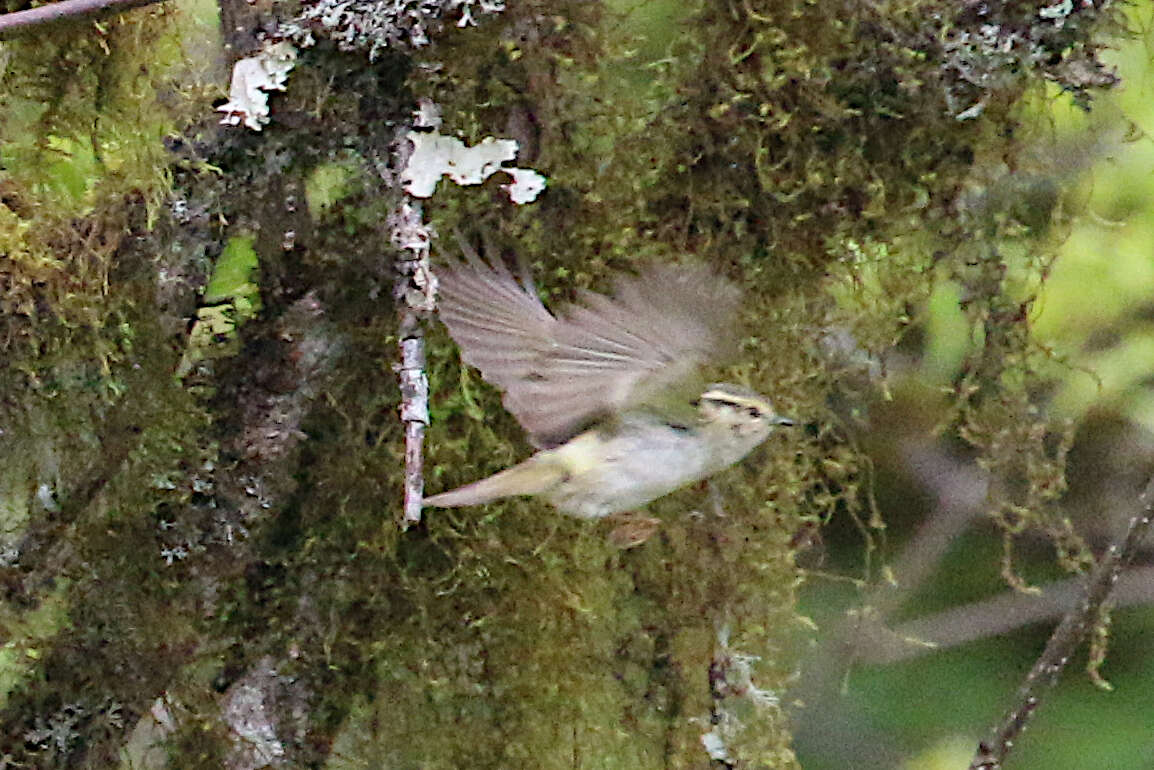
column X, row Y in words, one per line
column 415, row 416
column 1066, row 637
column 415, row 290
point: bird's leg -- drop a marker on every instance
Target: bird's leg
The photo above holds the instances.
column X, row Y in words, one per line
column 633, row 528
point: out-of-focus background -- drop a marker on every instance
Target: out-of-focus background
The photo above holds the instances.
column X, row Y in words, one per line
column 876, row 692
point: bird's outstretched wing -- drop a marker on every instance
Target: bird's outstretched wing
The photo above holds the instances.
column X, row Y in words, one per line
column 600, row 356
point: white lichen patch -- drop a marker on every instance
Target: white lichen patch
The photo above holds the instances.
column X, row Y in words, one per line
column 375, row 25
column 738, row 704
column 252, row 79
column 527, row 184
column 248, row 710
column 435, row 155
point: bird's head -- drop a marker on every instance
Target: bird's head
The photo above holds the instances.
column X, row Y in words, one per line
column 745, row 413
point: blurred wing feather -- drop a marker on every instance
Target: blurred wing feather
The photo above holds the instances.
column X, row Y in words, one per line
column 602, row 356
column 652, row 337
column 501, row 328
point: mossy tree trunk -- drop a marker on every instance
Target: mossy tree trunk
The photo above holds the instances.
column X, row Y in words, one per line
column 205, row 570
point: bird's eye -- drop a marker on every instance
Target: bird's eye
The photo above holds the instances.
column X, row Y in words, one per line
column 753, row 412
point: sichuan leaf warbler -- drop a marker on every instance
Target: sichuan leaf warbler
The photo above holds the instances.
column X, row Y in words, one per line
column 605, row 389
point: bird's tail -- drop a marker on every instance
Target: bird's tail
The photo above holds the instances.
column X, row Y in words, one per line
column 532, row 477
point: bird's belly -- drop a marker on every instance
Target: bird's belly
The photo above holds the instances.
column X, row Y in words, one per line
column 632, row 473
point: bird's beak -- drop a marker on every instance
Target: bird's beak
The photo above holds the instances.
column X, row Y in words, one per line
column 779, row 420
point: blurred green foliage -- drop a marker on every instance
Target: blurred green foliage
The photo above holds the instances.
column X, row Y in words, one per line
column 1089, row 311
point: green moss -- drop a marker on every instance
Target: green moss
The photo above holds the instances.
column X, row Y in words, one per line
column 327, row 184
column 815, row 153
column 29, row 633
column 811, row 152
column 232, row 277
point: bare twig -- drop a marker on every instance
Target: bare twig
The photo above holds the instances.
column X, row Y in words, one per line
column 1065, row 639
column 997, row 615
column 415, row 290
column 415, row 416
column 960, row 492
column 24, row 21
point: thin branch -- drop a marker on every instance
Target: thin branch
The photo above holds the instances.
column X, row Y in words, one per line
column 960, row 492
column 415, row 290
column 415, row 416
column 416, row 295
column 994, row 616
column 1065, row 639
column 19, row 22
